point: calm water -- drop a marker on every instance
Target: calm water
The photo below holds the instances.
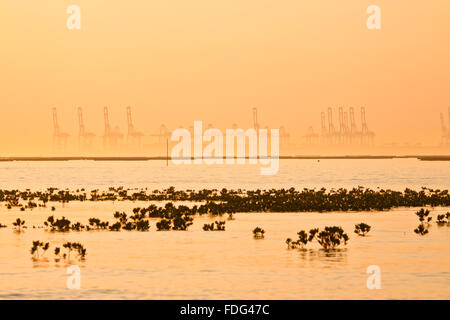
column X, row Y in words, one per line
column 231, row 264
column 390, row 173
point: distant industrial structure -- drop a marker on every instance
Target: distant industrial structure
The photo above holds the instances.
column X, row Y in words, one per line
column 346, row 133
column 284, row 135
column 445, row 137
column 111, row 137
column 59, row 137
column 134, row 136
column 84, row 137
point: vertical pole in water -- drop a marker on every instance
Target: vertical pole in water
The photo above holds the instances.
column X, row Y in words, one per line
column 167, row 152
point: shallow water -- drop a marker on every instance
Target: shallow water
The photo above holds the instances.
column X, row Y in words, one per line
column 231, row 264
column 385, row 173
column 195, row 264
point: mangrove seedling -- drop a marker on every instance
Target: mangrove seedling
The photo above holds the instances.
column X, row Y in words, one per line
column 59, row 225
column 301, row 241
column 129, row 226
column 163, row 225
column 443, row 219
column 78, row 247
column 121, row 216
column 35, row 248
column 19, row 224
column 97, row 224
column 258, row 232
column 57, row 254
column 362, row 229
column 302, row 238
column 220, row 226
column 208, row 227
column 423, row 215
column 182, row 222
column 115, row 227
column 80, row 250
column 330, row 237
column 77, row 226
column 421, row 229
column 288, row 242
column 142, row 225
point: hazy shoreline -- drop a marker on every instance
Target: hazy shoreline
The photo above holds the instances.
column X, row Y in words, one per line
column 143, row 158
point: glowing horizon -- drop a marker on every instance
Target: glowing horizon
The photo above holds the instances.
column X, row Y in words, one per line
column 177, row 62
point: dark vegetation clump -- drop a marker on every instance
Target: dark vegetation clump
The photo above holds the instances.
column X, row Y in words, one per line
column 59, row 225
column 77, row 247
column 328, row 238
column 232, row 201
column 77, row 227
column 68, row 247
column 331, row 237
column 97, row 224
column 362, row 229
column 115, row 226
column 258, row 233
column 421, row 229
column 37, row 247
column 300, row 242
column 136, row 222
column 142, row 225
column 172, row 217
column 424, row 219
column 19, row 224
column 443, row 219
column 164, row 225
column 181, row 222
column 63, row 225
column 215, row 226
column 423, row 215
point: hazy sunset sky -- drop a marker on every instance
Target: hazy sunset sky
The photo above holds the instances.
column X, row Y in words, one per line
column 176, row 61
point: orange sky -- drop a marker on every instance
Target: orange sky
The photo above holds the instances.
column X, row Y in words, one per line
column 178, row 61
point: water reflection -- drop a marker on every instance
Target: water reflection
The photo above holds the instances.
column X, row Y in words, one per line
column 326, row 256
column 41, row 263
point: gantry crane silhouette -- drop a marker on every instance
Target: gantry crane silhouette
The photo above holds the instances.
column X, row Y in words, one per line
column 367, row 136
column 134, row 136
column 59, row 137
column 111, row 137
column 348, row 132
column 85, row 138
column 284, row 135
column 445, row 137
